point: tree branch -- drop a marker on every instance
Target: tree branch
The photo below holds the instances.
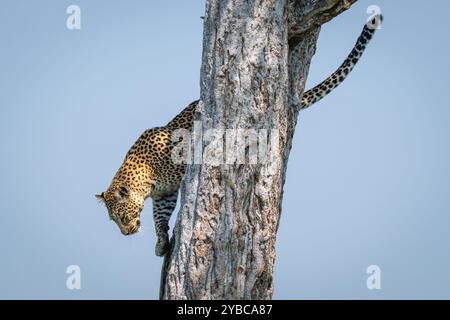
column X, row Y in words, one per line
column 305, row 15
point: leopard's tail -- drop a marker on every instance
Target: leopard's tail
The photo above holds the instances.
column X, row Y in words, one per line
column 336, row 78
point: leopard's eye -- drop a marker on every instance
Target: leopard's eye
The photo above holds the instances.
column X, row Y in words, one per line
column 110, row 216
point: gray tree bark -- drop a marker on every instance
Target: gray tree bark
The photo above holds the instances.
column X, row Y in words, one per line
column 256, row 57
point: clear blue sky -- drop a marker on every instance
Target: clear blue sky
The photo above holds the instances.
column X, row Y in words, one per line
column 368, row 179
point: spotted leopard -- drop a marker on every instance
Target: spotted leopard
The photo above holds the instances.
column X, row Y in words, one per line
column 148, row 169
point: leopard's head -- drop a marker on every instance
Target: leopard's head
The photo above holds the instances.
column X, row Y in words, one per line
column 124, row 207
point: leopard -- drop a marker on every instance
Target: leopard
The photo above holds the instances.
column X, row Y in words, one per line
column 148, row 169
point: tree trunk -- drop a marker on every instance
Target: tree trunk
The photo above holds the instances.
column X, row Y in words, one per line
column 256, row 56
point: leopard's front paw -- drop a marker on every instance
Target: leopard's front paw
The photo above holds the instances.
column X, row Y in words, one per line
column 162, row 246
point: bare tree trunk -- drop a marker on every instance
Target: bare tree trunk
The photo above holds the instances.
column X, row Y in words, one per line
column 256, row 56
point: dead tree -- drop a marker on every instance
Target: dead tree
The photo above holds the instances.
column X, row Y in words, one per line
column 256, row 57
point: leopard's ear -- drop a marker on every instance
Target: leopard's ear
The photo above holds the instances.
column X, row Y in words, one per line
column 101, row 196
column 122, row 194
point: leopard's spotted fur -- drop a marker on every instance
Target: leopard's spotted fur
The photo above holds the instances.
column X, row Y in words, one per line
column 148, row 169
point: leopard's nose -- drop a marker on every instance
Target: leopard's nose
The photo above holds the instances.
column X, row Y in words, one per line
column 138, row 222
